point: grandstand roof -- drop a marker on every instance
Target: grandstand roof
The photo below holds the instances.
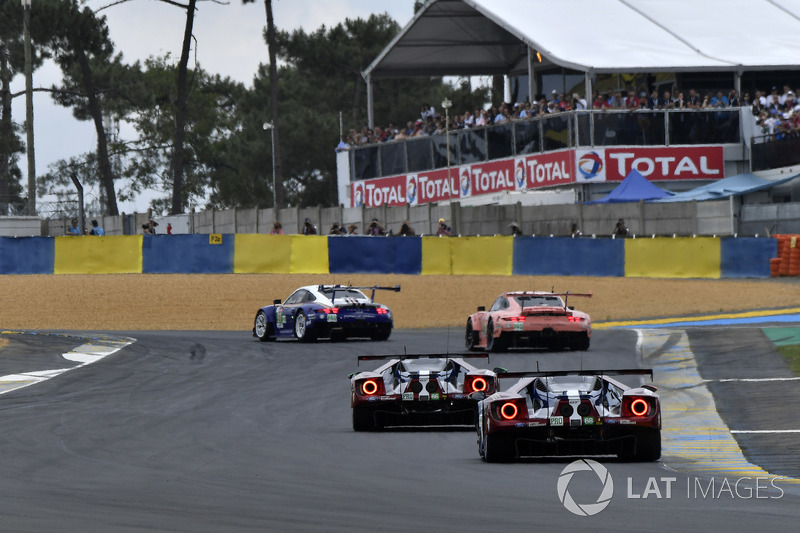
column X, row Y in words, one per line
column 482, row 37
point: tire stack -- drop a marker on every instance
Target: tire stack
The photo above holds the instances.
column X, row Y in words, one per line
column 788, row 261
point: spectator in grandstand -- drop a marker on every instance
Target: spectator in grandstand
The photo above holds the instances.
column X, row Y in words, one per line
column 621, row 230
column 375, row 228
column 601, row 102
column 615, row 101
column 400, row 135
column 719, row 100
column 733, row 98
column 96, row 229
column 73, row 229
column 480, row 117
column 782, row 97
column 514, row 228
column 680, row 101
column 694, row 101
column 632, row 101
column 706, row 102
column 277, row 229
column 469, row 119
column 406, row 230
column 444, row 230
column 308, row 228
column 653, row 101
column 667, row 101
column 427, row 111
column 343, row 144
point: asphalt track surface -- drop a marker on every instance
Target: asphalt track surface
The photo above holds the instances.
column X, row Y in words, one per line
column 215, row 431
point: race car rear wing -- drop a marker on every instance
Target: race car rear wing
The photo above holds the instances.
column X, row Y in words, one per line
column 565, row 295
column 555, row 373
column 468, row 355
column 374, row 288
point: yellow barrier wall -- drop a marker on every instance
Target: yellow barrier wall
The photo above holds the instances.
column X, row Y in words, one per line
column 309, row 254
column 467, row 255
column 117, row 254
column 673, row 258
column 262, row 254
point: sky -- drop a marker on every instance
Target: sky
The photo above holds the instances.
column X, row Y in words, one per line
column 229, row 43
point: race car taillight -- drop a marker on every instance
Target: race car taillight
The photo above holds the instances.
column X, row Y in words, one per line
column 371, row 387
column 381, row 310
column 510, row 409
column 515, row 318
column 638, row 406
column 330, row 310
column 575, row 319
column 476, row 384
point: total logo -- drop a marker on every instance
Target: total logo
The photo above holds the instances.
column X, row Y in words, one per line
column 464, row 181
column 590, row 165
column 358, row 196
column 585, row 509
column 411, row 189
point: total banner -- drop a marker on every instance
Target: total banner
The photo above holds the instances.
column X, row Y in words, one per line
column 663, row 163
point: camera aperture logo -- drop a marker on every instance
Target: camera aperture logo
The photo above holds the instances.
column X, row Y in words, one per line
column 586, row 509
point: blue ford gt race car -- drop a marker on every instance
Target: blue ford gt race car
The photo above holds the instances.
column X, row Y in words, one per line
column 326, row 311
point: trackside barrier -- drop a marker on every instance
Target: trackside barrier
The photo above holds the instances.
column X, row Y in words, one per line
column 565, row 256
column 683, row 257
column 187, row 254
column 374, row 255
column 26, row 255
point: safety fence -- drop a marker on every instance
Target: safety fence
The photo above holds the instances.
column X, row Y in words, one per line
column 660, row 257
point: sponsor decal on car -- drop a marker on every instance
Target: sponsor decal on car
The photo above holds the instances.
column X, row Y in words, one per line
column 408, row 396
column 372, row 399
column 458, row 396
column 556, row 420
column 385, row 398
column 611, row 420
column 537, row 424
column 627, row 422
column 588, row 420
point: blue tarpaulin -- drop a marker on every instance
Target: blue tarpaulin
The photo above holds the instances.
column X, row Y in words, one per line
column 633, row 188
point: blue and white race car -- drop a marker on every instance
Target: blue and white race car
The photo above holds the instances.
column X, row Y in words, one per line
column 326, row 311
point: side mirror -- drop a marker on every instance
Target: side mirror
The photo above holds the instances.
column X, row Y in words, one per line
column 499, row 370
column 276, row 302
column 479, row 395
column 481, row 308
column 571, row 307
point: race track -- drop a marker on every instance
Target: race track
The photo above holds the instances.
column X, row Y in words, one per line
column 215, row 431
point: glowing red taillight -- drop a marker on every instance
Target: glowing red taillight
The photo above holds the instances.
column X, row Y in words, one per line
column 381, row 310
column 371, row 387
column 637, row 406
column 509, row 410
column 330, row 310
column 574, row 319
column 515, row 318
column 475, row 384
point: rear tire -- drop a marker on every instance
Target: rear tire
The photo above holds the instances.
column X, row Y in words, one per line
column 472, row 337
column 382, row 333
column 364, row 419
column 300, row 329
column 648, row 447
column 262, row 328
column 494, row 344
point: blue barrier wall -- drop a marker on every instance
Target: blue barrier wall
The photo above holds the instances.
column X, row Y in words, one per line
column 27, row 255
column 564, row 256
column 746, row 257
column 187, row 254
column 374, row 255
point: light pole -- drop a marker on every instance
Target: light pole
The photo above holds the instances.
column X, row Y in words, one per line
column 447, row 104
column 269, row 126
column 26, row 28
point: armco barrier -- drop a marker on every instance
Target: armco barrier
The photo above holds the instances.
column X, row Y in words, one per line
column 26, row 255
column 565, row 256
column 683, row 257
column 375, row 255
column 187, row 254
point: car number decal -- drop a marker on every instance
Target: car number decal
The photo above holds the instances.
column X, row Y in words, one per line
column 408, row 396
column 332, row 317
column 280, row 320
column 556, row 420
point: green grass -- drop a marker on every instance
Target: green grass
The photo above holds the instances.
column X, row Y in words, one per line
column 792, row 355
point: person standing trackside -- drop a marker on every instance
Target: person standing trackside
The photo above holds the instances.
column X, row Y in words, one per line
column 150, row 227
column 96, row 230
column 514, row 227
column 308, row 228
column 74, row 229
column 621, row 230
column 444, row 230
column 277, row 229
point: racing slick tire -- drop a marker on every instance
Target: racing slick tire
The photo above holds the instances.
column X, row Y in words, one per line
column 498, row 449
column 648, row 447
column 494, row 344
column 472, row 337
column 581, row 342
column 300, row 329
column 383, row 332
column 364, row 419
column 262, row 328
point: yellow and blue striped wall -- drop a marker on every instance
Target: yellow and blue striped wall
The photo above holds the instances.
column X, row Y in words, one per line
column 684, row 257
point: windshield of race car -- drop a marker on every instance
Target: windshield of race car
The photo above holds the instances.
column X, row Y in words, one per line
column 425, row 365
column 539, row 301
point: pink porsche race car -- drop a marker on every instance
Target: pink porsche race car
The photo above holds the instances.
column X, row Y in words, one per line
column 529, row 319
